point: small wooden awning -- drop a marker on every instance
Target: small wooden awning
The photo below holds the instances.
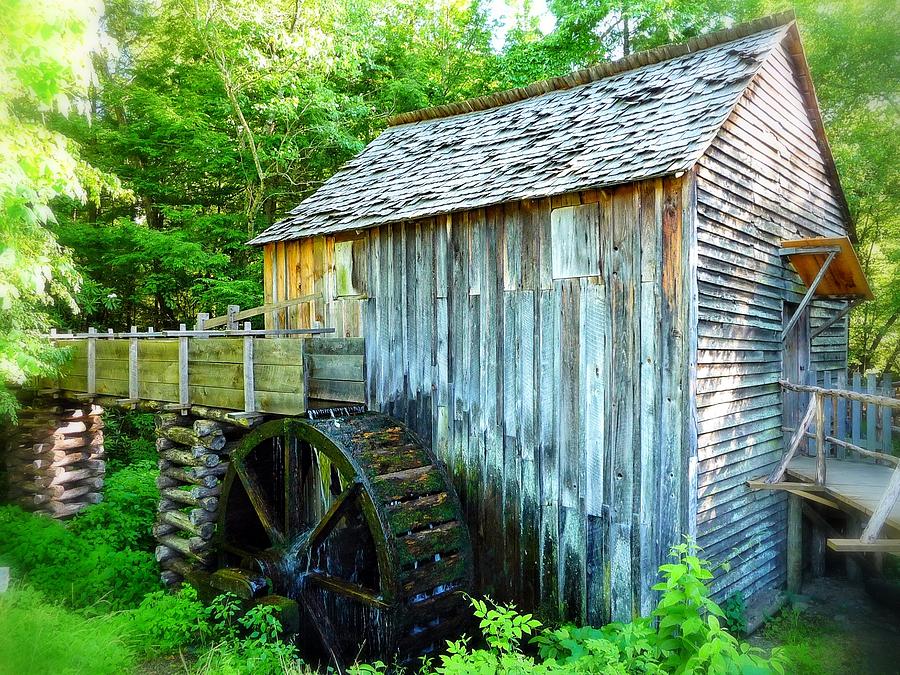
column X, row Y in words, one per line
column 828, row 268
column 843, row 278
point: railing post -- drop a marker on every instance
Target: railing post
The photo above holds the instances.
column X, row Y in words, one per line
column 249, row 381
column 820, row 438
column 184, row 392
column 92, row 362
column 231, row 321
column 133, row 366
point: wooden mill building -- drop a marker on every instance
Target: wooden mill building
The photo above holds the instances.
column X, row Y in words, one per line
column 576, row 292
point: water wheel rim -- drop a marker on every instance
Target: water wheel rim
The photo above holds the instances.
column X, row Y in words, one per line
column 372, row 510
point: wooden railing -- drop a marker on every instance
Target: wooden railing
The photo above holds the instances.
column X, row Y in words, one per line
column 245, row 370
column 235, row 314
column 826, row 432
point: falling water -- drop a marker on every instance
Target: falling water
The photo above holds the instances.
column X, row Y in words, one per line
column 335, row 412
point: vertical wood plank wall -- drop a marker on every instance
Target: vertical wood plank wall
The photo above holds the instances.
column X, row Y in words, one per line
column 306, row 267
column 559, row 405
column 762, row 181
column 548, row 398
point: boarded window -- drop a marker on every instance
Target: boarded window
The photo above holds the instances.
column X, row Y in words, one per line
column 575, row 237
column 350, row 267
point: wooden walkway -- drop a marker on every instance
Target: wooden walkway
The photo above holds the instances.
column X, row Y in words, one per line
column 857, row 484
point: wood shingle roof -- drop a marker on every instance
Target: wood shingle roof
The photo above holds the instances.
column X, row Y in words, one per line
column 653, row 115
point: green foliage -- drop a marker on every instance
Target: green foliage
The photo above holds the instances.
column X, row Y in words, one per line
column 124, row 519
column 249, row 642
column 92, row 562
column 684, row 635
column 44, row 65
column 38, row 636
column 812, row 644
column 128, row 438
column 165, row 622
column 735, row 613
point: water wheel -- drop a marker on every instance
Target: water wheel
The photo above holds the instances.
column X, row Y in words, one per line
column 354, row 521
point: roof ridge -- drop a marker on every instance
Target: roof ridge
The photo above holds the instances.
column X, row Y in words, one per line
column 597, row 72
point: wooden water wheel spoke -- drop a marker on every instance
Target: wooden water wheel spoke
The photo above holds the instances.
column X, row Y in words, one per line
column 235, row 550
column 336, row 511
column 314, row 608
column 346, row 517
column 348, row 589
column 257, row 497
column 291, row 499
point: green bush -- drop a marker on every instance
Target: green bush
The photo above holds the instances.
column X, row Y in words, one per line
column 124, row 519
column 687, row 637
column 248, row 643
column 165, row 622
column 78, row 570
column 39, row 637
column 128, row 438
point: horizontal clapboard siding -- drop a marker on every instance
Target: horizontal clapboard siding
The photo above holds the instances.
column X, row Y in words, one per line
column 762, row 181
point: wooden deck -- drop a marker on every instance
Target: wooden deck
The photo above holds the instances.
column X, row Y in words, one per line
column 859, row 485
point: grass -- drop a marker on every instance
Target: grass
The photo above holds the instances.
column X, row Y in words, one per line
column 814, row 644
column 37, row 637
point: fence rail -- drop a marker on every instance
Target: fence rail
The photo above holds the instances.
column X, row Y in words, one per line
column 840, row 423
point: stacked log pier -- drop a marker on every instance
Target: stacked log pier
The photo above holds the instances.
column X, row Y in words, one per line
column 55, row 459
column 192, row 462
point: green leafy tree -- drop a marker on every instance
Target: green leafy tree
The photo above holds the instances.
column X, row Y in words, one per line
column 44, row 67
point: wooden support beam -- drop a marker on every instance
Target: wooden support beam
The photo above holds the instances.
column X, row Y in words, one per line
column 249, row 381
column 92, row 361
column 796, row 439
column 809, row 250
column 809, row 294
column 820, row 438
column 764, row 485
column 133, row 366
column 884, row 508
column 837, row 317
column 824, row 526
column 813, row 497
column 859, row 546
column 184, row 396
column 795, row 544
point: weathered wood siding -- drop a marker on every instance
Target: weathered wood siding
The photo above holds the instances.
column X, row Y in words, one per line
column 558, row 404
column 762, row 181
column 324, row 269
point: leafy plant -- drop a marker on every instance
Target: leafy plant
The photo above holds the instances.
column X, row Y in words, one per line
column 684, row 635
column 124, row 519
column 128, row 438
column 164, row 622
column 735, row 613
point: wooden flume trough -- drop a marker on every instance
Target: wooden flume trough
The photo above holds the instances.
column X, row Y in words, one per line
column 275, row 483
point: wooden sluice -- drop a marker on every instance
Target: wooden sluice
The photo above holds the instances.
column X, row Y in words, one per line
column 275, row 482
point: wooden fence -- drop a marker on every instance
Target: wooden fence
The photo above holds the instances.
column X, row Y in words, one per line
column 825, row 423
column 855, row 422
column 253, row 371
